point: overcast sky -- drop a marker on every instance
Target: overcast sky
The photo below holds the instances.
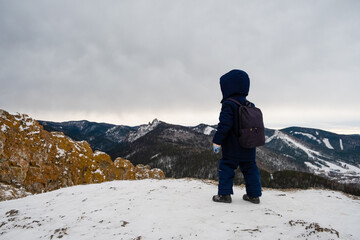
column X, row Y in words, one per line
column 127, row 62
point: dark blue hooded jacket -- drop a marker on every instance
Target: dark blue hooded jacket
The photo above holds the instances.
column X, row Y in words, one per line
column 234, row 84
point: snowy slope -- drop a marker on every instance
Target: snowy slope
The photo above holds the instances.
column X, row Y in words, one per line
column 177, row 209
column 293, row 143
column 143, row 130
column 319, row 161
column 328, row 142
column 209, row 130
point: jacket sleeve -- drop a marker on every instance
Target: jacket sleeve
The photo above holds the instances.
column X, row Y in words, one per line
column 226, row 121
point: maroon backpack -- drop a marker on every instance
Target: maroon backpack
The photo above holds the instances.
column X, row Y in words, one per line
column 251, row 132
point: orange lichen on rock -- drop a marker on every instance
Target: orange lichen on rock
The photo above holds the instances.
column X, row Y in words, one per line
column 126, row 168
column 143, row 172
column 38, row 160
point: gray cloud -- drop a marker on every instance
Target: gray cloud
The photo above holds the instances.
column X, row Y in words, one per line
column 91, row 59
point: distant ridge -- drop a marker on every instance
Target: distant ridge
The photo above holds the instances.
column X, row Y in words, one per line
column 183, row 151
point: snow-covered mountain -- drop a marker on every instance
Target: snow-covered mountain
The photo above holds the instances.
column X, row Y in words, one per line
column 324, row 139
column 101, row 136
column 178, row 209
column 142, row 130
column 324, row 153
column 205, row 129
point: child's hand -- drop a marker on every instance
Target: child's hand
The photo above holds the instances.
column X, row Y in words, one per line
column 216, row 148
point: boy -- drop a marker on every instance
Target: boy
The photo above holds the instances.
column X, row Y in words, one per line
column 234, row 84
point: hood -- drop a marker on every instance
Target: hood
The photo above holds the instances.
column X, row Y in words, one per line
column 235, row 82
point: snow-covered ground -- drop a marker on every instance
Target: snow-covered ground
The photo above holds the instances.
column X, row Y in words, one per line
column 177, row 209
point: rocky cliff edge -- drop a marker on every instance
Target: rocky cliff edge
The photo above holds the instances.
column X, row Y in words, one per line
column 37, row 161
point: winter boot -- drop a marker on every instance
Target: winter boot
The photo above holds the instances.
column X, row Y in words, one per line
column 255, row 200
column 222, row 198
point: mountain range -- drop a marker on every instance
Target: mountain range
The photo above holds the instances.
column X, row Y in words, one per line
column 294, row 155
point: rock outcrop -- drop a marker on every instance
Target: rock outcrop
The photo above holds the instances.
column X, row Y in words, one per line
column 8, row 192
column 37, row 160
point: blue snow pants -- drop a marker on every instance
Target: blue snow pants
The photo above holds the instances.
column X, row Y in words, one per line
column 227, row 173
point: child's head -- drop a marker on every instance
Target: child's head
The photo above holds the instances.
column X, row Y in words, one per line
column 235, row 82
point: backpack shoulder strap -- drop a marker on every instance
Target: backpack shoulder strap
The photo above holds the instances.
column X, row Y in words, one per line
column 233, row 100
column 239, row 113
column 247, row 103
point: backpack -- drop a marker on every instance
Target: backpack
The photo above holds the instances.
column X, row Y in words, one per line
column 251, row 132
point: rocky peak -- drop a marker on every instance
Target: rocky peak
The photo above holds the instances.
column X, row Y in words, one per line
column 143, row 130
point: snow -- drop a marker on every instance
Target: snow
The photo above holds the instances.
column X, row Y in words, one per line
column 114, row 135
column 327, row 143
column 18, row 116
column 30, row 123
column 308, row 135
column 130, row 154
column 208, row 130
column 99, row 171
column 34, row 132
column 312, row 166
column 341, row 144
column 293, row 143
column 340, row 167
column 58, row 134
column 350, row 168
column 4, row 128
column 143, row 130
column 111, row 130
column 156, row 155
column 76, row 144
column 10, row 192
column 97, row 153
column 60, row 152
column 177, row 209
